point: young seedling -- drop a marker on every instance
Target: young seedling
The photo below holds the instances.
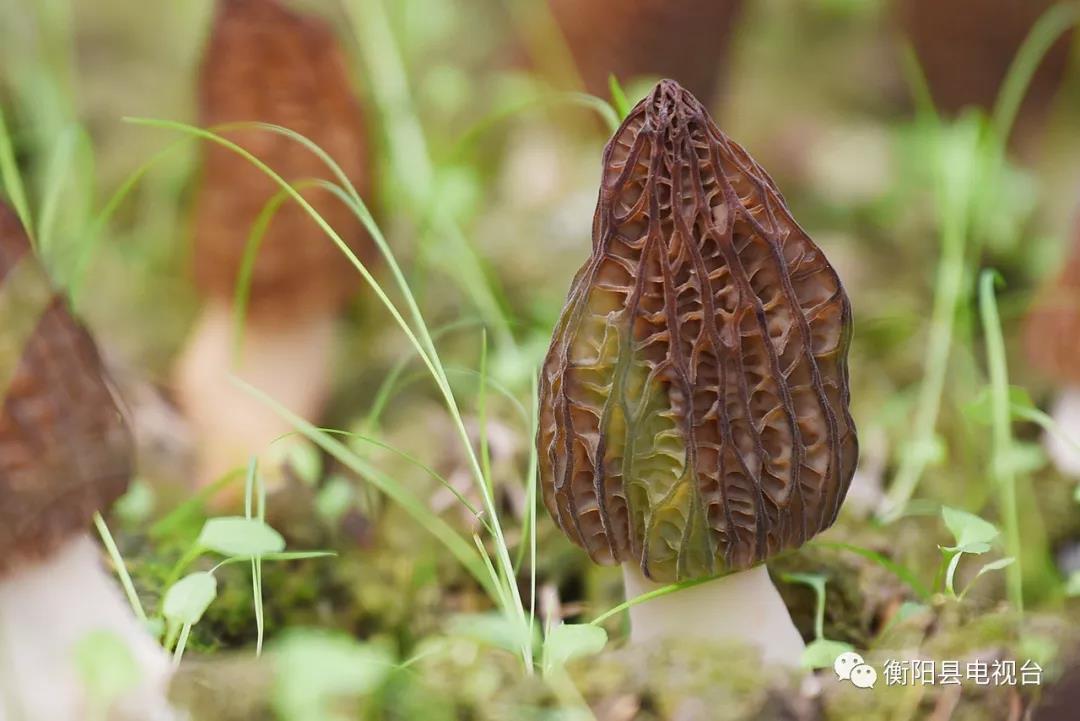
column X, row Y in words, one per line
column 254, row 246
column 694, row 401
column 973, row 536
column 821, row 652
column 65, row 453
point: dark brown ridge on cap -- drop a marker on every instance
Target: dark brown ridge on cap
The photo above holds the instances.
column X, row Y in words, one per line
column 266, row 63
column 65, row 449
column 965, row 48
column 687, row 40
column 1052, row 327
column 694, row 400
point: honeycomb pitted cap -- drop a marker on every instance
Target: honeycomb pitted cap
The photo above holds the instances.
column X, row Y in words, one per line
column 694, row 399
column 65, row 448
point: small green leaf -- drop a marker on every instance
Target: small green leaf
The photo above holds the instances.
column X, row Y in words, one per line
column 492, row 629
column 996, row 565
column 972, row 534
column 238, row 536
column 1072, row 586
column 980, row 410
column 567, row 642
column 932, row 451
column 334, row 499
column 1025, row 458
column 106, row 667
column 823, row 652
column 187, row 599
column 137, row 504
column 618, row 97
column 300, row 456
column 317, row 671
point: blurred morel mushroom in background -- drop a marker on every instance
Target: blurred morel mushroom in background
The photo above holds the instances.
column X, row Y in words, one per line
column 965, row 48
column 265, row 63
column 694, row 401
column 1052, row 342
column 686, row 40
column 65, row 453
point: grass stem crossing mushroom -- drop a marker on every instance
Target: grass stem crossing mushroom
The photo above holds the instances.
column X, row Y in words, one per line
column 268, row 64
column 694, row 400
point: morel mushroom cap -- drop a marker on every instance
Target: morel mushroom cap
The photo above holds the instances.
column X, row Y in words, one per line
column 265, row 63
column 65, row 449
column 686, row 40
column 694, row 400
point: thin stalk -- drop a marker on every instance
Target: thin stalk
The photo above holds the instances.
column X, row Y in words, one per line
column 1052, row 25
column 1002, row 467
column 423, row 344
column 482, row 415
column 181, row 644
column 953, row 206
column 121, row 569
column 414, row 166
column 657, row 593
column 530, row 496
column 12, row 181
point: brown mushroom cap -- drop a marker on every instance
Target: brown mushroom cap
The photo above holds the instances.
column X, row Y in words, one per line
column 694, row 400
column 686, row 40
column 965, row 48
column 65, row 449
column 266, row 63
column 1052, row 326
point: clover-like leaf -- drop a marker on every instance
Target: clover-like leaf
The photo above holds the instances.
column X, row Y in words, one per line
column 972, row 534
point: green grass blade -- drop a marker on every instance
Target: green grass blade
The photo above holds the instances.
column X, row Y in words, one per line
column 420, row 513
column 1051, row 26
column 12, row 180
column 901, row 572
column 1001, row 468
column 121, row 568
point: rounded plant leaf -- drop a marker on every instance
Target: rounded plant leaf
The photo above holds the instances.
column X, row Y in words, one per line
column 566, row 642
column 238, row 536
column 694, row 400
column 187, row 599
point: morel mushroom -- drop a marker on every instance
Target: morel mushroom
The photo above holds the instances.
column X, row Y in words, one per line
column 686, row 40
column 1052, row 342
column 265, row 63
column 65, row 452
column 694, row 401
column 965, row 48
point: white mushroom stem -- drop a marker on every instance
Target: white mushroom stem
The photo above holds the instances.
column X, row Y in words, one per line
column 742, row 608
column 47, row 610
column 288, row 359
column 1061, row 446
